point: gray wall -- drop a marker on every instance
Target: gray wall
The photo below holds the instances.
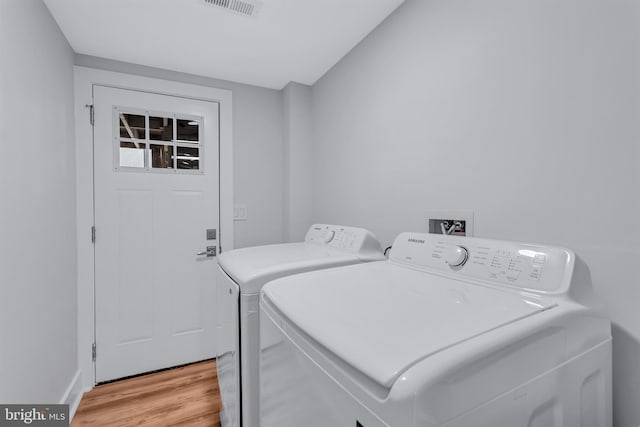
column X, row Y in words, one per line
column 298, row 161
column 525, row 112
column 37, row 219
column 257, row 148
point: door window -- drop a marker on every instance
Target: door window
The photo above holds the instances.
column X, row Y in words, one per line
column 151, row 141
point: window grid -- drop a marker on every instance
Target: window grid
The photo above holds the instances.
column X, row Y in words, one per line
column 157, row 154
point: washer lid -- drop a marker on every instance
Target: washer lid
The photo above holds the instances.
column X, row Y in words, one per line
column 252, row 267
column 381, row 319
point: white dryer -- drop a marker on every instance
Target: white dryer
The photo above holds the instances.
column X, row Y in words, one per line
column 241, row 275
column 450, row 331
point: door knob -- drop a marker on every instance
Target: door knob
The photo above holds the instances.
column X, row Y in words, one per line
column 210, row 252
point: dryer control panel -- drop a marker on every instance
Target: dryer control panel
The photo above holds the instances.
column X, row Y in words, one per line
column 350, row 239
column 525, row 266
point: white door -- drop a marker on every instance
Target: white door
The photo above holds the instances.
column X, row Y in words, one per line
column 156, row 209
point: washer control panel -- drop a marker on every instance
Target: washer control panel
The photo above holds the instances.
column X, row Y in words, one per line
column 350, row 239
column 525, row 266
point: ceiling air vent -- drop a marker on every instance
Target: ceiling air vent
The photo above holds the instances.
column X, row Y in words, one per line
column 240, row 7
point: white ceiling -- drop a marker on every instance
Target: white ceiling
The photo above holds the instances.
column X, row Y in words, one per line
column 289, row 40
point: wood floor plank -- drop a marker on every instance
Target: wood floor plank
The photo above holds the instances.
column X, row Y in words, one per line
column 185, row 396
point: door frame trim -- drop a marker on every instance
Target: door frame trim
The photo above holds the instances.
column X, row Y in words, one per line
column 84, row 80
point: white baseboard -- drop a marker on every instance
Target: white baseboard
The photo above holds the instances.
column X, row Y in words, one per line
column 73, row 395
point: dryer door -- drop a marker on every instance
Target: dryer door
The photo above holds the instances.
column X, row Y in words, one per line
column 228, row 357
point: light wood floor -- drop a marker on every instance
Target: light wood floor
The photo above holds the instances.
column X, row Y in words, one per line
column 186, row 396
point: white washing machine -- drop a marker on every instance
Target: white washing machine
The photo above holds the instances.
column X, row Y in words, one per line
column 450, row 331
column 241, row 275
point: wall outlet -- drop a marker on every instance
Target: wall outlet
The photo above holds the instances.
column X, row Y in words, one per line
column 454, row 223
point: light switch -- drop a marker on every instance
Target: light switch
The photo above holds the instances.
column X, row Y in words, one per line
column 240, row 212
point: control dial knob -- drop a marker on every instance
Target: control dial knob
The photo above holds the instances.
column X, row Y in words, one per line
column 457, row 256
column 329, row 235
